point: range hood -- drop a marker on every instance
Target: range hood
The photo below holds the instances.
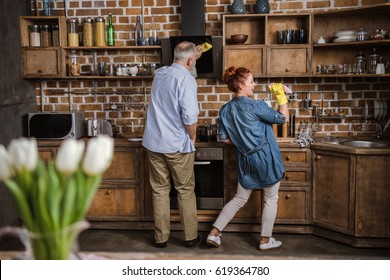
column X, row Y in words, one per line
column 192, row 18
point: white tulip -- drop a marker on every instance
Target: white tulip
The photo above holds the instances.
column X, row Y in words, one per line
column 5, row 164
column 23, row 153
column 99, row 153
column 69, row 155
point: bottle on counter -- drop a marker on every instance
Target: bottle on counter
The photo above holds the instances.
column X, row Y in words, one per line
column 100, row 26
column 34, row 35
column 110, row 32
column 73, row 32
column 88, row 32
column 138, row 32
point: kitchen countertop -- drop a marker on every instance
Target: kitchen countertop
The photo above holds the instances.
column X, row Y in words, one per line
column 333, row 144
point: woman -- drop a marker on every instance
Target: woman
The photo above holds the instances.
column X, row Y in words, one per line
column 247, row 123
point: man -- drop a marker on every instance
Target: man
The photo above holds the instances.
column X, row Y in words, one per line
column 169, row 137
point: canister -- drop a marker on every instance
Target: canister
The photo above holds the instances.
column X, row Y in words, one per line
column 34, row 35
column 100, row 39
column 55, row 35
column 88, row 32
column 45, row 36
column 73, row 33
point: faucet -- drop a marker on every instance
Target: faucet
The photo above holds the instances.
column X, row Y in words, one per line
column 381, row 130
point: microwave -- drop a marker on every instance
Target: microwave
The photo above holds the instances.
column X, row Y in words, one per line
column 56, row 125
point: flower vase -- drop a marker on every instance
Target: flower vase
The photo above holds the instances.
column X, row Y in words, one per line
column 56, row 245
column 238, row 7
column 261, row 7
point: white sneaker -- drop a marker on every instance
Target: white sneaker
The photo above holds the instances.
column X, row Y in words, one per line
column 272, row 244
column 214, row 241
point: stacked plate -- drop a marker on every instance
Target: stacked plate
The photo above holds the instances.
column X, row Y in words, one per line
column 345, row 36
column 380, row 109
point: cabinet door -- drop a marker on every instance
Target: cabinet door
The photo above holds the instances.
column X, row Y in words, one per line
column 42, row 62
column 288, row 61
column 115, row 203
column 124, row 167
column 333, row 194
column 251, row 57
column 293, row 206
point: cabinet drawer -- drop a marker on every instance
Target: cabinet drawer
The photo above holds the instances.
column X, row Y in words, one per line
column 110, row 202
column 296, row 176
column 39, row 62
column 251, row 57
column 293, row 206
column 295, row 157
column 284, row 61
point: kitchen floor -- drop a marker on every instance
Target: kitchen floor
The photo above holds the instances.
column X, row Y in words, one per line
column 138, row 244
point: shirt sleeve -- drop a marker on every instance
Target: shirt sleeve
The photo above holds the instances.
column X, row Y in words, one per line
column 188, row 101
column 268, row 114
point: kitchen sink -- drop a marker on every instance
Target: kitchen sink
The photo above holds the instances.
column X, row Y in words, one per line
column 364, row 144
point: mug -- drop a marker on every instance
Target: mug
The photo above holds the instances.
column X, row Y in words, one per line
column 380, row 68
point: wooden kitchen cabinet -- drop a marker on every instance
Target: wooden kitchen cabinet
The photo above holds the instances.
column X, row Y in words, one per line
column 351, row 198
column 260, row 53
column 42, row 62
column 294, row 205
column 118, row 196
column 325, row 24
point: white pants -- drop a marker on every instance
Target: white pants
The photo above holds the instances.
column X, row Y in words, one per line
column 239, row 200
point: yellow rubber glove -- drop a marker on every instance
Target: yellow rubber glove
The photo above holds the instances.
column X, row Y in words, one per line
column 278, row 90
column 205, row 46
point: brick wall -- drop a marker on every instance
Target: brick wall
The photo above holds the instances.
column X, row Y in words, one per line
column 347, row 94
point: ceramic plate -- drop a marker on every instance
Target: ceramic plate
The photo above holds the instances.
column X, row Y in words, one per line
column 135, row 139
column 384, row 109
column 343, row 40
column 376, row 109
column 345, row 33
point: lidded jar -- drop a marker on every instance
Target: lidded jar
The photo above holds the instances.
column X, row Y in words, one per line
column 88, row 32
column 34, row 35
column 73, row 32
column 100, row 28
column 73, row 65
column 45, row 35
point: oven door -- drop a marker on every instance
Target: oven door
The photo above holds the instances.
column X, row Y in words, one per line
column 209, row 188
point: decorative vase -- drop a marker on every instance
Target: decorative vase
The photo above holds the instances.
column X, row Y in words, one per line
column 261, row 7
column 238, row 7
column 57, row 245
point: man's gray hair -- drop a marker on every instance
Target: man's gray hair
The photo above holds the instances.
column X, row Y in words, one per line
column 184, row 50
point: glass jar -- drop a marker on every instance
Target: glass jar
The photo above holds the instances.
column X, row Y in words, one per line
column 55, row 35
column 73, row 33
column 45, row 36
column 100, row 28
column 73, row 64
column 34, row 35
column 88, row 32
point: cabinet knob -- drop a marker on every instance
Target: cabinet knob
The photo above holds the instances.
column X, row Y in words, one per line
column 317, row 157
column 108, row 192
column 287, row 196
column 288, row 157
column 288, row 70
column 287, row 177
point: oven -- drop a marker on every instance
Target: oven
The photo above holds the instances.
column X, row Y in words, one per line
column 209, row 187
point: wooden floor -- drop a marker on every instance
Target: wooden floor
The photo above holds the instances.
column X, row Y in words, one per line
column 138, row 244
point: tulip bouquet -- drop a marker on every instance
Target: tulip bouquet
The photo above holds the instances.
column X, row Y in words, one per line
column 51, row 199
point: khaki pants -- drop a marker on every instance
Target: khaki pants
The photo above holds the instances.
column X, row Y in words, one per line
column 181, row 167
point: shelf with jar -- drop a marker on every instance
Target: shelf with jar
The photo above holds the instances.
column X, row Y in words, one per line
column 275, row 45
column 344, row 41
column 41, row 40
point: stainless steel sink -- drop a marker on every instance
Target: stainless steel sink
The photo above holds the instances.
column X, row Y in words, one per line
column 364, row 144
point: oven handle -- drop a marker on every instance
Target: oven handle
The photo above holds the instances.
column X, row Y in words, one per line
column 202, row 162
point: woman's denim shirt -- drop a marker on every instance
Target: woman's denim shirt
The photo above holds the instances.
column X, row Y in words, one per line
column 248, row 124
